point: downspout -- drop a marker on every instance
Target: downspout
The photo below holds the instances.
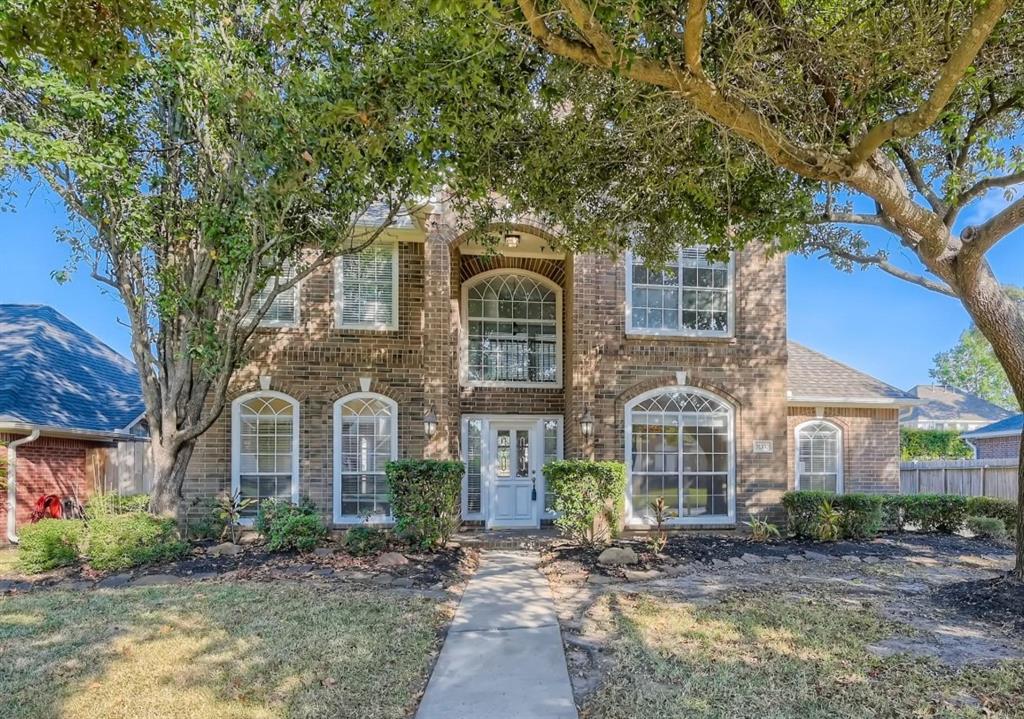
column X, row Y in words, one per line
column 12, row 483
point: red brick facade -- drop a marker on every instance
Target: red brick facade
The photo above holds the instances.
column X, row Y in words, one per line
column 997, row 447
column 49, row 465
column 418, row 366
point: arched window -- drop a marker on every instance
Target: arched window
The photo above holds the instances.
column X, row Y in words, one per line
column 512, row 330
column 819, row 464
column 265, row 448
column 679, row 442
column 365, row 440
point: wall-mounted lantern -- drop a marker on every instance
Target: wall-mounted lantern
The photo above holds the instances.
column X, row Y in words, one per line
column 429, row 422
column 587, row 423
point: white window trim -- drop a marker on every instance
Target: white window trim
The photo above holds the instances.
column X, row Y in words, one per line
column 727, row 333
column 338, row 517
column 464, row 379
column 236, row 431
column 339, row 295
column 264, row 323
column 645, row 522
column 485, row 430
column 839, row 451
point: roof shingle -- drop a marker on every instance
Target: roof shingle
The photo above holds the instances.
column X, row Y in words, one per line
column 950, row 403
column 811, row 376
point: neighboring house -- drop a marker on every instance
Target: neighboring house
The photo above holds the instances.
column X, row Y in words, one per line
column 65, row 397
column 429, row 345
column 949, row 408
column 999, row 440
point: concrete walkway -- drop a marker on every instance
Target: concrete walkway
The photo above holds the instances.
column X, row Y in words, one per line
column 503, row 657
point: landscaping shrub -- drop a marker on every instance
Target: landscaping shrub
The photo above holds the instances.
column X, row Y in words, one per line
column 105, row 505
column 934, row 512
column 856, row 516
column 933, row 444
column 583, row 493
column 426, row 499
column 986, row 527
column 363, row 540
column 288, row 526
column 202, row 520
column 120, row 541
column 50, row 543
column 1004, row 509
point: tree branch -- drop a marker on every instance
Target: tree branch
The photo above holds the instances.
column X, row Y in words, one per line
column 980, row 188
column 693, row 35
column 918, row 179
column 852, row 218
column 553, row 42
column 880, row 261
column 912, row 123
column 979, row 240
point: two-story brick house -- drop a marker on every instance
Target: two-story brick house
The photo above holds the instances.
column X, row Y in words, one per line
column 429, row 345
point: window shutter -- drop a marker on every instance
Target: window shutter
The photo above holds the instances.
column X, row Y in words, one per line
column 367, row 287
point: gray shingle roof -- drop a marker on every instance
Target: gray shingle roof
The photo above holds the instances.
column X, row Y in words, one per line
column 55, row 374
column 1010, row 425
column 812, row 376
column 950, row 403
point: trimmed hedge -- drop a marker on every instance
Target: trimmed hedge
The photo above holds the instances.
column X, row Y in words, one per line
column 50, row 543
column 930, row 512
column 1004, row 509
column 288, row 526
column 861, row 515
column 426, row 499
column 583, row 493
column 933, row 444
column 987, row 527
column 120, row 541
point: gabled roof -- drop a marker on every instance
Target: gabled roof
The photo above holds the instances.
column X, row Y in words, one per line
column 813, row 378
column 55, row 375
column 1003, row 428
column 950, row 403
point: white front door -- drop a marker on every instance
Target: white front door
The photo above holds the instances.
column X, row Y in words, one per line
column 513, row 474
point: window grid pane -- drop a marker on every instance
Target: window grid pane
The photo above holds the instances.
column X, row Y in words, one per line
column 474, row 453
column 284, row 308
column 818, row 457
column 266, row 436
column 367, row 287
column 366, row 448
column 691, row 294
column 550, row 455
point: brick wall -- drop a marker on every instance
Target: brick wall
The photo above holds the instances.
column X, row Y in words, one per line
column 871, row 446
column 997, row 447
column 48, row 465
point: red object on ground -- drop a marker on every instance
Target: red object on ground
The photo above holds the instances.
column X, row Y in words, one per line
column 47, row 506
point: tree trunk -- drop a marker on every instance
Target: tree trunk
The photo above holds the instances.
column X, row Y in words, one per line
column 170, row 463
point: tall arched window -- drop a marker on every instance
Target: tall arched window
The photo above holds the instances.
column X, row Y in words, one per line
column 819, row 464
column 365, row 440
column 265, row 448
column 679, row 442
column 512, row 330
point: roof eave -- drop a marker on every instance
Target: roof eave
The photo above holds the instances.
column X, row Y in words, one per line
column 992, row 435
column 69, row 432
column 832, row 401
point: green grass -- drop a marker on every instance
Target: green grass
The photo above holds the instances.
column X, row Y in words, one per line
column 9, row 562
column 250, row 650
column 766, row 657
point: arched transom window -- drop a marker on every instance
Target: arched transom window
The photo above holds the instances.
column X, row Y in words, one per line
column 680, row 449
column 512, row 330
column 265, row 435
column 366, row 439
column 819, row 457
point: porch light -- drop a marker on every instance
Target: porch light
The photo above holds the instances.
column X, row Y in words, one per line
column 429, row 422
column 587, row 423
column 512, row 240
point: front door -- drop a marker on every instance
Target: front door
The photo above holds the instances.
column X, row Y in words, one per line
column 513, row 474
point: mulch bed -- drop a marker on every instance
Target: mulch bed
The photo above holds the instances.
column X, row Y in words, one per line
column 998, row 601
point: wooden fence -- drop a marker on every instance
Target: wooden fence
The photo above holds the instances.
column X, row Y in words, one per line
column 967, row 477
column 126, row 469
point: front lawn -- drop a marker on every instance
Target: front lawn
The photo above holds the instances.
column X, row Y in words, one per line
column 764, row 656
column 250, row 649
column 8, row 562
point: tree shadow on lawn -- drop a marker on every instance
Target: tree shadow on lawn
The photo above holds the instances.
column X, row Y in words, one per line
column 229, row 650
column 765, row 656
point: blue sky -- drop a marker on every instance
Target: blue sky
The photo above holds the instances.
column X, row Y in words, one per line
column 879, row 324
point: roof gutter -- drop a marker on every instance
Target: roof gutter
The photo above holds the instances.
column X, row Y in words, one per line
column 70, row 433
column 865, row 402
column 12, row 483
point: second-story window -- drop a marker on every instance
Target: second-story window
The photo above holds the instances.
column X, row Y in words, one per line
column 512, row 330
column 284, row 310
column 366, row 288
column 690, row 296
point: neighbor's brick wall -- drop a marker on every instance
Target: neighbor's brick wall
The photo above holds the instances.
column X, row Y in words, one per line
column 997, row 447
column 48, row 465
column 871, row 446
column 749, row 370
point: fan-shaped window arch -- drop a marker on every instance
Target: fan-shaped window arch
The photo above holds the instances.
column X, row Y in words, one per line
column 679, row 445
column 512, row 330
column 819, row 457
column 264, row 448
column 365, row 440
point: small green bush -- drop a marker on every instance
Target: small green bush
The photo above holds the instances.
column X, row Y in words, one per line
column 1004, row 509
column 426, row 499
column 986, row 527
column 362, row 540
column 584, row 492
column 50, row 543
column 202, row 520
column 288, row 526
column 105, row 505
column 857, row 516
column 935, row 512
column 120, row 541
column 933, row 444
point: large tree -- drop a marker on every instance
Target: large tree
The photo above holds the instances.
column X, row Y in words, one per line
column 972, row 366
column 212, row 153
column 871, row 132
